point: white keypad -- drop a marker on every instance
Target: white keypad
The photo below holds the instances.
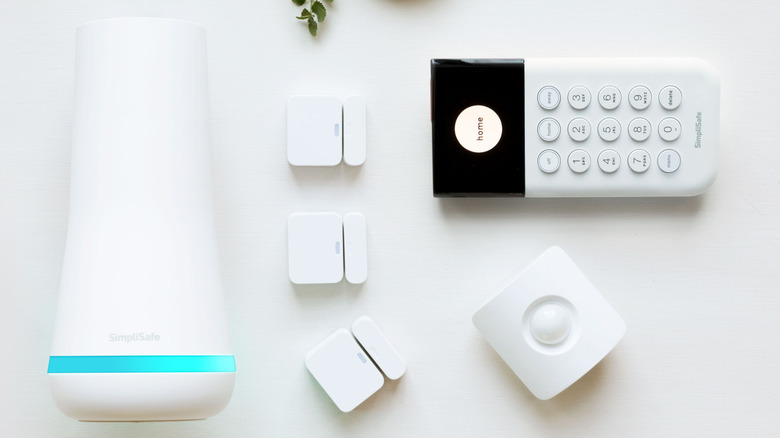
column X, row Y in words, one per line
column 579, row 117
column 609, row 97
column 639, row 129
column 549, row 129
column 669, row 129
column 579, row 97
column 549, row 161
column 609, row 160
column 549, row 97
column 579, row 161
column 619, row 127
column 579, row 129
column 609, row 129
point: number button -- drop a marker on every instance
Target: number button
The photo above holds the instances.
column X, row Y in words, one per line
column 579, row 129
column 609, row 129
column 579, row 161
column 609, row 97
column 670, row 97
column 639, row 97
column 548, row 129
column 549, row 97
column 639, row 129
column 549, row 161
column 609, row 160
column 669, row 129
column 579, row 97
column 669, row 160
column 639, row 160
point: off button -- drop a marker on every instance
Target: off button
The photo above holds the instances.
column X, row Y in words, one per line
column 549, row 161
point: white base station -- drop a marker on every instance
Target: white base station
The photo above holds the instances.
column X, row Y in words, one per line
column 144, row 396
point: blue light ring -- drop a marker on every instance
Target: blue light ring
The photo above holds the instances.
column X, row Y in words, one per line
column 142, row 364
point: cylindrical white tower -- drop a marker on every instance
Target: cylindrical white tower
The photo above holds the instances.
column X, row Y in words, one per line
column 141, row 331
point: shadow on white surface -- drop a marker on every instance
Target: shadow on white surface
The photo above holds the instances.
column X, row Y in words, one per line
column 309, row 177
column 306, row 293
column 574, row 398
column 590, row 207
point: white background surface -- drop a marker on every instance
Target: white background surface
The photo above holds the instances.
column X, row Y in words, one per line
column 696, row 280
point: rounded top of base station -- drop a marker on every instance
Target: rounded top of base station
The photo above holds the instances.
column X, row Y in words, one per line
column 140, row 19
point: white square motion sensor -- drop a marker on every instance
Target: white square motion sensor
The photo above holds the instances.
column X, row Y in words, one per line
column 322, row 248
column 550, row 324
column 346, row 371
column 321, row 130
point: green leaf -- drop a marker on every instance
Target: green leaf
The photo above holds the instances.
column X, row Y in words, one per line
column 300, row 2
column 312, row 27
column 329, row 1
column 319, row 10
column 305, row 15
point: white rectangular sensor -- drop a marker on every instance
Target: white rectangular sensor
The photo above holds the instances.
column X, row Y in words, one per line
column 315, row 248
column 314, row 131
column 354, row 131
column 323, row 249
column 355, row 248
column 346, row 370
column 379, row 347
column 321, row 130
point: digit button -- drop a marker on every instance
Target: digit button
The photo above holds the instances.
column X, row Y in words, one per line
column 579, row 129
column 579, row 161
column 639, row 129
column 669, row 129
column 609, row 97
column 579, row 97
column 609, row 161
column 639, row 160
column 639, row 97
column 609, row 129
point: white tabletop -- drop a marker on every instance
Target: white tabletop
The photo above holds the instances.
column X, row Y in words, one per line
column 696, row 280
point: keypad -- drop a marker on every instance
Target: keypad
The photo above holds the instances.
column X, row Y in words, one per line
column 611, row 147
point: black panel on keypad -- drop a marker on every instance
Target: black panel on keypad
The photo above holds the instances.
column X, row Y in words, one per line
column 457, row 85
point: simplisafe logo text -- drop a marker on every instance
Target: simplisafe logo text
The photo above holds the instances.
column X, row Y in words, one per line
column 133, row 337
column 697, row 145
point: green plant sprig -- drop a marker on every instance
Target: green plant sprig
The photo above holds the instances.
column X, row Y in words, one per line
column 314, row 14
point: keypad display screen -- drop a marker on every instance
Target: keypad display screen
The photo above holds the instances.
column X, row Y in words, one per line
column 477, row 112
